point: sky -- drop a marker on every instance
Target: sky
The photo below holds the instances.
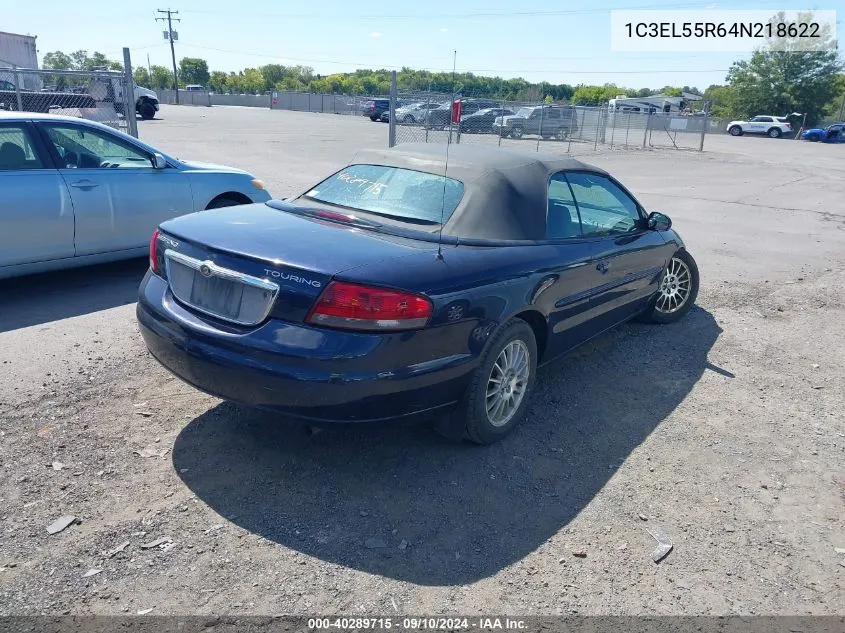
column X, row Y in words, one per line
column 551, row 40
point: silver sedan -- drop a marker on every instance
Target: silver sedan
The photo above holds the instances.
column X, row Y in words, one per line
column 76, row 192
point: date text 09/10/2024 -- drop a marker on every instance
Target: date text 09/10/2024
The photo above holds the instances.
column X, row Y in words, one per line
column 418, row 624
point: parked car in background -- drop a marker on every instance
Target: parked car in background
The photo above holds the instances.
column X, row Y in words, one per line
column 195, row 88
column 408, row 286
column 76, row 192
column 415, row 112
column 546, row 121
column 834, row 133
column 471, row 106
column 481, row 122
column 374, row 108
column 771, row 126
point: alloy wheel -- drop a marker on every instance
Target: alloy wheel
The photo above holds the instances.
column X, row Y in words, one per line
column 507, row 383
column 675, row 288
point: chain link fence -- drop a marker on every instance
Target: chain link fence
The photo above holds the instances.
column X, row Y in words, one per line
column 99, row 95
column 432, row 117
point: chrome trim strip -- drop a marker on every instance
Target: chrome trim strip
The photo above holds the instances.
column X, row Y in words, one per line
column 227, row 274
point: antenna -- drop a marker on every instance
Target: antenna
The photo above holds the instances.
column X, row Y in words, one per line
column 446, row 165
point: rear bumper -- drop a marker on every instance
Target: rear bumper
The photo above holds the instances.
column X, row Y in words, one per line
column 319, row 375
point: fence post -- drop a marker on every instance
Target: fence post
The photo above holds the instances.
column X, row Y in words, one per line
column 703, row 132
column 391, row 121
column 17, row 87
column 129, row 94
column 646, row 127
column 596, row 135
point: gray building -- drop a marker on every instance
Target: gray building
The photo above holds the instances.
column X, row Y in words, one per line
column 18, row 50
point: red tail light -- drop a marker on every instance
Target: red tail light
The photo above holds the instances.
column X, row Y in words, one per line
column 154, row 252
column 358, row 307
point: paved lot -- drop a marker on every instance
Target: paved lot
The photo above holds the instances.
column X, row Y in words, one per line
column 725, row 430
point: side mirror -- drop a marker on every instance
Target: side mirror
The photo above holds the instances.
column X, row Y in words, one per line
column 159, row 161
column 659, row 221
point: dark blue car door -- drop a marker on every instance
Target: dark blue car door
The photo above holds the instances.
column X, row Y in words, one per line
column 565, row 293
column 627, row 258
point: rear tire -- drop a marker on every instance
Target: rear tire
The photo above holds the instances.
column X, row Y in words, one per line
column 735, row 130
column 680, row 282
column 774, row 132
column 500, row 388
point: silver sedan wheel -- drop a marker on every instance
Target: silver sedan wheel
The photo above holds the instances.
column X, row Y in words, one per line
column 507, row 383
column 675, row 288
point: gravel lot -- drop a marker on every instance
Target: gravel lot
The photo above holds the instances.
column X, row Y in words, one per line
column 726, row 431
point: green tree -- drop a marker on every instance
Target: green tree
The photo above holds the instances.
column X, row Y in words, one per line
column 596, row 95
column 57, row 60
column 217, row 81
column 722, row 101
column 672, row 91
column 253, row 81
column 141, row 76
column 193, row 70
column 789, row 79
column 835, row 109
column 272, row 73
column 160, row 77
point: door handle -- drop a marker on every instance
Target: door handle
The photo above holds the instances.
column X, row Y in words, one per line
column 84, row 184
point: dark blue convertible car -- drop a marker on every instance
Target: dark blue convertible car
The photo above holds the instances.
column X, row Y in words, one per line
column 403, row 286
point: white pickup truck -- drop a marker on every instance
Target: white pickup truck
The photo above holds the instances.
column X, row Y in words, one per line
column 771, row 126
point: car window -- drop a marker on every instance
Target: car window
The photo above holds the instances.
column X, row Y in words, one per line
column 562, row 219
column 16, row 149
column 404, row 194
column 604, row 208
column 83, row 147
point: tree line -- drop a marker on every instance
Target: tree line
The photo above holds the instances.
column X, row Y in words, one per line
column 776, row 82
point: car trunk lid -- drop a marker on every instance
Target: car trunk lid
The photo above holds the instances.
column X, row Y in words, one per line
column 243, row 263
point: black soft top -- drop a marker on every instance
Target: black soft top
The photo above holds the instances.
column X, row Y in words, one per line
column 504, row 189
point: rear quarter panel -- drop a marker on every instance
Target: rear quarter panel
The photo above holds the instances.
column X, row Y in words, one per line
column 474, row 289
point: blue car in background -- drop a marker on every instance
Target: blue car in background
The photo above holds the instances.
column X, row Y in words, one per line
column 831, row 134
column 402, row 287
column 76, row 192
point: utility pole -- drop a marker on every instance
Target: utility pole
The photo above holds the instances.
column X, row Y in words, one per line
column 149, row 70
column 169, row 35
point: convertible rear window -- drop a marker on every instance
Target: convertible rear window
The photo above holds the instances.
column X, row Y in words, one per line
column 403, row 194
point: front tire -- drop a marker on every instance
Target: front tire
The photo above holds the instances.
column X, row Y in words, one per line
column 735, row 130
column 678, row 290
column 146, row 110
column 517, row 132
column 499, row 392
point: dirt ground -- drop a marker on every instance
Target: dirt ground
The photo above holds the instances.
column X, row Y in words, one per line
column 724, row 431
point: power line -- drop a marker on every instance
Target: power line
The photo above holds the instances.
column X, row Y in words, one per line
column 169, row 35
